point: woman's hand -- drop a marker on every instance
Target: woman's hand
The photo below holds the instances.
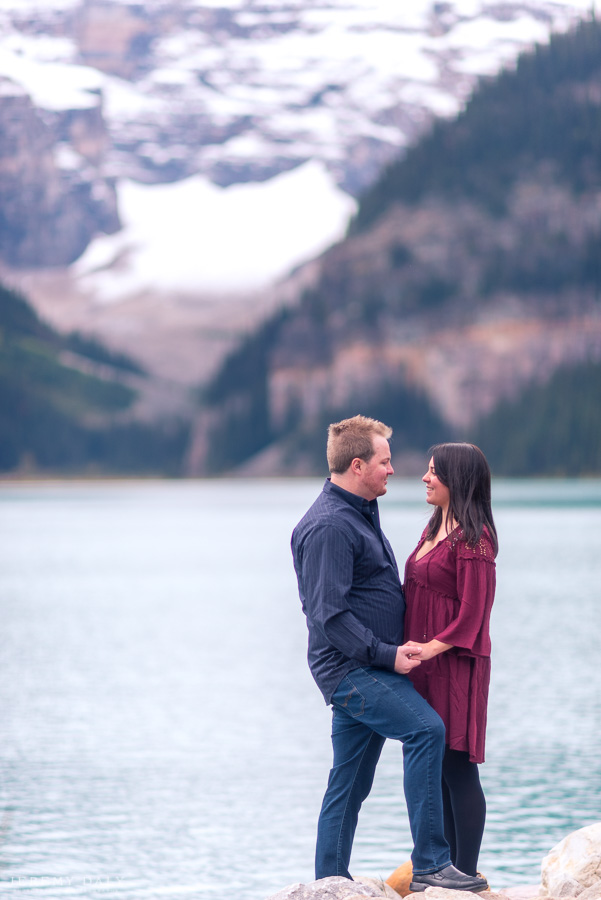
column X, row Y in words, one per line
column 433, row 648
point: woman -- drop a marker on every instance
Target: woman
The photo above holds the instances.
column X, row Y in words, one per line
column 449, row 591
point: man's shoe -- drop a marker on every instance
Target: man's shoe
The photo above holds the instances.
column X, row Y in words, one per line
column 480, row 875
column 451, row 879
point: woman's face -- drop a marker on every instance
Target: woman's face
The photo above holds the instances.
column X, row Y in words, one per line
column 436, row 492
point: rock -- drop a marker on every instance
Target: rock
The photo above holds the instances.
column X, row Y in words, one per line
column 335, row 888
column 488, row 895
column 401, row 878
column 574, row 865
column 522, row 891
column 112, row 36
column 591, row 893
column 383, row 888
column 53, row 203
column 567, row 889
column 364, row 886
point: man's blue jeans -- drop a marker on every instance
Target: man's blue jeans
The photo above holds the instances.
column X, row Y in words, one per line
column 370, row 705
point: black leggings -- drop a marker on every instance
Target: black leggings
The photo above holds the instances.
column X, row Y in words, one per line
column 464, row 809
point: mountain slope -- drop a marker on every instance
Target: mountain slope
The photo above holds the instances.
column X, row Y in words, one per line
column 554, row 428
column 471, row 271
column 68, row 404
column 546, row 112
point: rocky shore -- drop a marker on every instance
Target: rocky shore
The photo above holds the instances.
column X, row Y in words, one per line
column 572, row 869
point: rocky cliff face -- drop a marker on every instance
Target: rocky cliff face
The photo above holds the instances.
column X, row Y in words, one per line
column 437, row 296
column 53, row 198
column 114, row 38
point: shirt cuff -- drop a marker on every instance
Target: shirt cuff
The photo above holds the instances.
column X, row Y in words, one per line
column 385, row 657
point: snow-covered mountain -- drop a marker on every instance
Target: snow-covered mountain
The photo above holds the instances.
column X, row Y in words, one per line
column 242, row 90
column 235, row 134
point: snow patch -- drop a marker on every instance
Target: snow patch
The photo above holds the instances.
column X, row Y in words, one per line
column 54, row 86
column 193, row 236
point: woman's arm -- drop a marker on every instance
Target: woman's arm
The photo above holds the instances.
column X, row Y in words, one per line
column 432, row 648
column 469, row 631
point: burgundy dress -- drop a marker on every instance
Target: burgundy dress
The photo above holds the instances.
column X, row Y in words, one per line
column 449, row 594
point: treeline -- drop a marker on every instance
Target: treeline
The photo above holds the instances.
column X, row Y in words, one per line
column 547, row 109
column 56, row 418
column 552, row 429
column 245, row 425
column 240, row 391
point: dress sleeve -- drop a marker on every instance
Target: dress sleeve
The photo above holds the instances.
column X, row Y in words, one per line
column 469, row 632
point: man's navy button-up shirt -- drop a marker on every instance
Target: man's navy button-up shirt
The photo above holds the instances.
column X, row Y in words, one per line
column 349, row 587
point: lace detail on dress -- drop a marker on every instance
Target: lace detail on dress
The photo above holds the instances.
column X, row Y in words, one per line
column 482, row 549
column 455, row 541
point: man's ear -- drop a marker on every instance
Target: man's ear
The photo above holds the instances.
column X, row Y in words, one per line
column 356, row 465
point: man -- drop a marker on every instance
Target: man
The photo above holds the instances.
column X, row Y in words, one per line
column 351, row 595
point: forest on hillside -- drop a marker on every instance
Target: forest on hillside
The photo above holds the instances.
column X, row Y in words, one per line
column 546, row 111
column 553, row 429
column 58, row 417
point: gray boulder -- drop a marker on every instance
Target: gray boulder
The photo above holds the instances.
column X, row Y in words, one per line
column 362, row 887
column 337, row 888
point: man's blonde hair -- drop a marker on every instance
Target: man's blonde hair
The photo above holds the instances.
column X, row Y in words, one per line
column 352, row 439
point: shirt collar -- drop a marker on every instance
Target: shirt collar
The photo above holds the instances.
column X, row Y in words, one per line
column 366, row 507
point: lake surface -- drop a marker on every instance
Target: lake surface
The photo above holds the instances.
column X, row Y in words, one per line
column 162, row 736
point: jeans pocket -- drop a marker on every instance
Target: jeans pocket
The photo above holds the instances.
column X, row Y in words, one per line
column 349, row 698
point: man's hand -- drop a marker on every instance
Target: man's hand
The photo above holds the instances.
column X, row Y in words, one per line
column 406, row 657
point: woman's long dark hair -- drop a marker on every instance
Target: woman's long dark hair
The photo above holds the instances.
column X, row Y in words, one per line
column 463, row 469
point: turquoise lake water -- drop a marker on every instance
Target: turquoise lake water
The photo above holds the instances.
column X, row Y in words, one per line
column 162, row 736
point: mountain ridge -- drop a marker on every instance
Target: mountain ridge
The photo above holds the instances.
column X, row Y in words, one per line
column 235, row 93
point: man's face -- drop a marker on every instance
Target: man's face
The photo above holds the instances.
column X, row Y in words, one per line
column 374, row 474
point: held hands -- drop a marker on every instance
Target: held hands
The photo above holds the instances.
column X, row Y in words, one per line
column 411, row 654
column 407, row 657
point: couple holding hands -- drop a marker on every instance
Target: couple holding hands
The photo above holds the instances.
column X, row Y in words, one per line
column 407, row 662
